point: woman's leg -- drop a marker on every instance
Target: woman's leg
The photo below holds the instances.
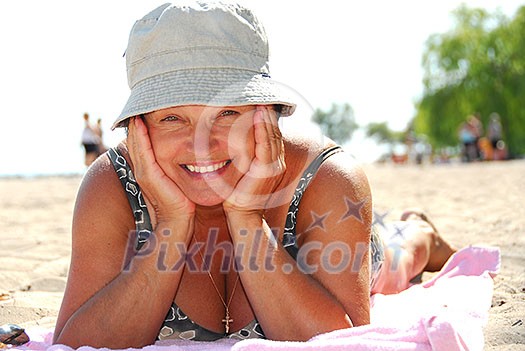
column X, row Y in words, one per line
column 415, row 246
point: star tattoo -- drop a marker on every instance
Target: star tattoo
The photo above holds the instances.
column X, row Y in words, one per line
column 353, row 209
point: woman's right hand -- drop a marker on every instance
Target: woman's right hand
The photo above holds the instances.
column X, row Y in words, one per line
column 165, row 200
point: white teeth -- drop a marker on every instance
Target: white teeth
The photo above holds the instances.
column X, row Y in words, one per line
column 206, row 169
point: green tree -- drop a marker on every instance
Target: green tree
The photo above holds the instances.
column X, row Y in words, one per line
column 478, row 66
column 383, row 134
column 338, row 123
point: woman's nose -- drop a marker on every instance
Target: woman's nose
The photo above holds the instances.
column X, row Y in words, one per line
column 204, row 139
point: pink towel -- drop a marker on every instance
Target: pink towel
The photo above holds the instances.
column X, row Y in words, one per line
column 447, row 312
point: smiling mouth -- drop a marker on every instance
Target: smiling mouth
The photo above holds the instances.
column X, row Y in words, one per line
column 196, row 169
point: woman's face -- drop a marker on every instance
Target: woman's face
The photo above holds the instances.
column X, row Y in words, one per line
column 204, row 150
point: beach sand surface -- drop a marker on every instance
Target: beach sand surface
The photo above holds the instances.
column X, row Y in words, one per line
column 471, row 204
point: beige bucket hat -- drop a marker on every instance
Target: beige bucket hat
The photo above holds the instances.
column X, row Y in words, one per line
column 199, row 53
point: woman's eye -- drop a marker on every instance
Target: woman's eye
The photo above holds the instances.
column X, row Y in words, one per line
column 170, row 119
column 228, row 113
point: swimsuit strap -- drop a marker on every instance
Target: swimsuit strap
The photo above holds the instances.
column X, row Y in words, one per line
column 143, row 225
column 289, row 235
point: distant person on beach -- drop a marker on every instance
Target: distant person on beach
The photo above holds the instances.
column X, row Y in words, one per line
column 97, row 128
column 91, row 141
column 495, row 130
column 477, row 127
column 495, row 136
column 207, row 222
column 469, row 134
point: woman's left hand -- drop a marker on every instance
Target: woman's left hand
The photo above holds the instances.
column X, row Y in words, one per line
column 267, row 168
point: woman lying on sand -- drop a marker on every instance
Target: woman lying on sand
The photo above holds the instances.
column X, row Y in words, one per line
column 206, row 222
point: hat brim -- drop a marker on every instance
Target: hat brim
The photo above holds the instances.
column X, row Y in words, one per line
column 210, row 87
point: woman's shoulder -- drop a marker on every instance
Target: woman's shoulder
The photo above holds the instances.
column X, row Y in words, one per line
column 343, row 173
column 340, row 182
column 301, row 151
column 101, row 194
column 99, row 177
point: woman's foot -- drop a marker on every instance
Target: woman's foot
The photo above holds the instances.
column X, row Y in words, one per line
column 439, row 250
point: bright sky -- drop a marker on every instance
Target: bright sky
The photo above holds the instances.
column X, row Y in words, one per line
column 63, row 58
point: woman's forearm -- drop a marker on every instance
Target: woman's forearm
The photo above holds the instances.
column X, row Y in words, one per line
column 278, row 290
column 129, row 310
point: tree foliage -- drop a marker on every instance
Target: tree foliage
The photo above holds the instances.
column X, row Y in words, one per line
column 383, row 134
column 478, row 66
column 338, row 123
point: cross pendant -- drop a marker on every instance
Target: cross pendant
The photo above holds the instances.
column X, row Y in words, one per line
column 227, row 320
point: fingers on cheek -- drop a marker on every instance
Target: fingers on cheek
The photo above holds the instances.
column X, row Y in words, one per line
column 138, row 138
column 266, row 116
column 272, row 125
column 258, row 119
column 259, row 126
column 264, row 123
column 132, row 136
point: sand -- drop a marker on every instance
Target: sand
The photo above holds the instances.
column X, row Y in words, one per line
column 480, row 203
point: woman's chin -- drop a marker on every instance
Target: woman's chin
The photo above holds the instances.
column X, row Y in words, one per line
column 207, row 198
